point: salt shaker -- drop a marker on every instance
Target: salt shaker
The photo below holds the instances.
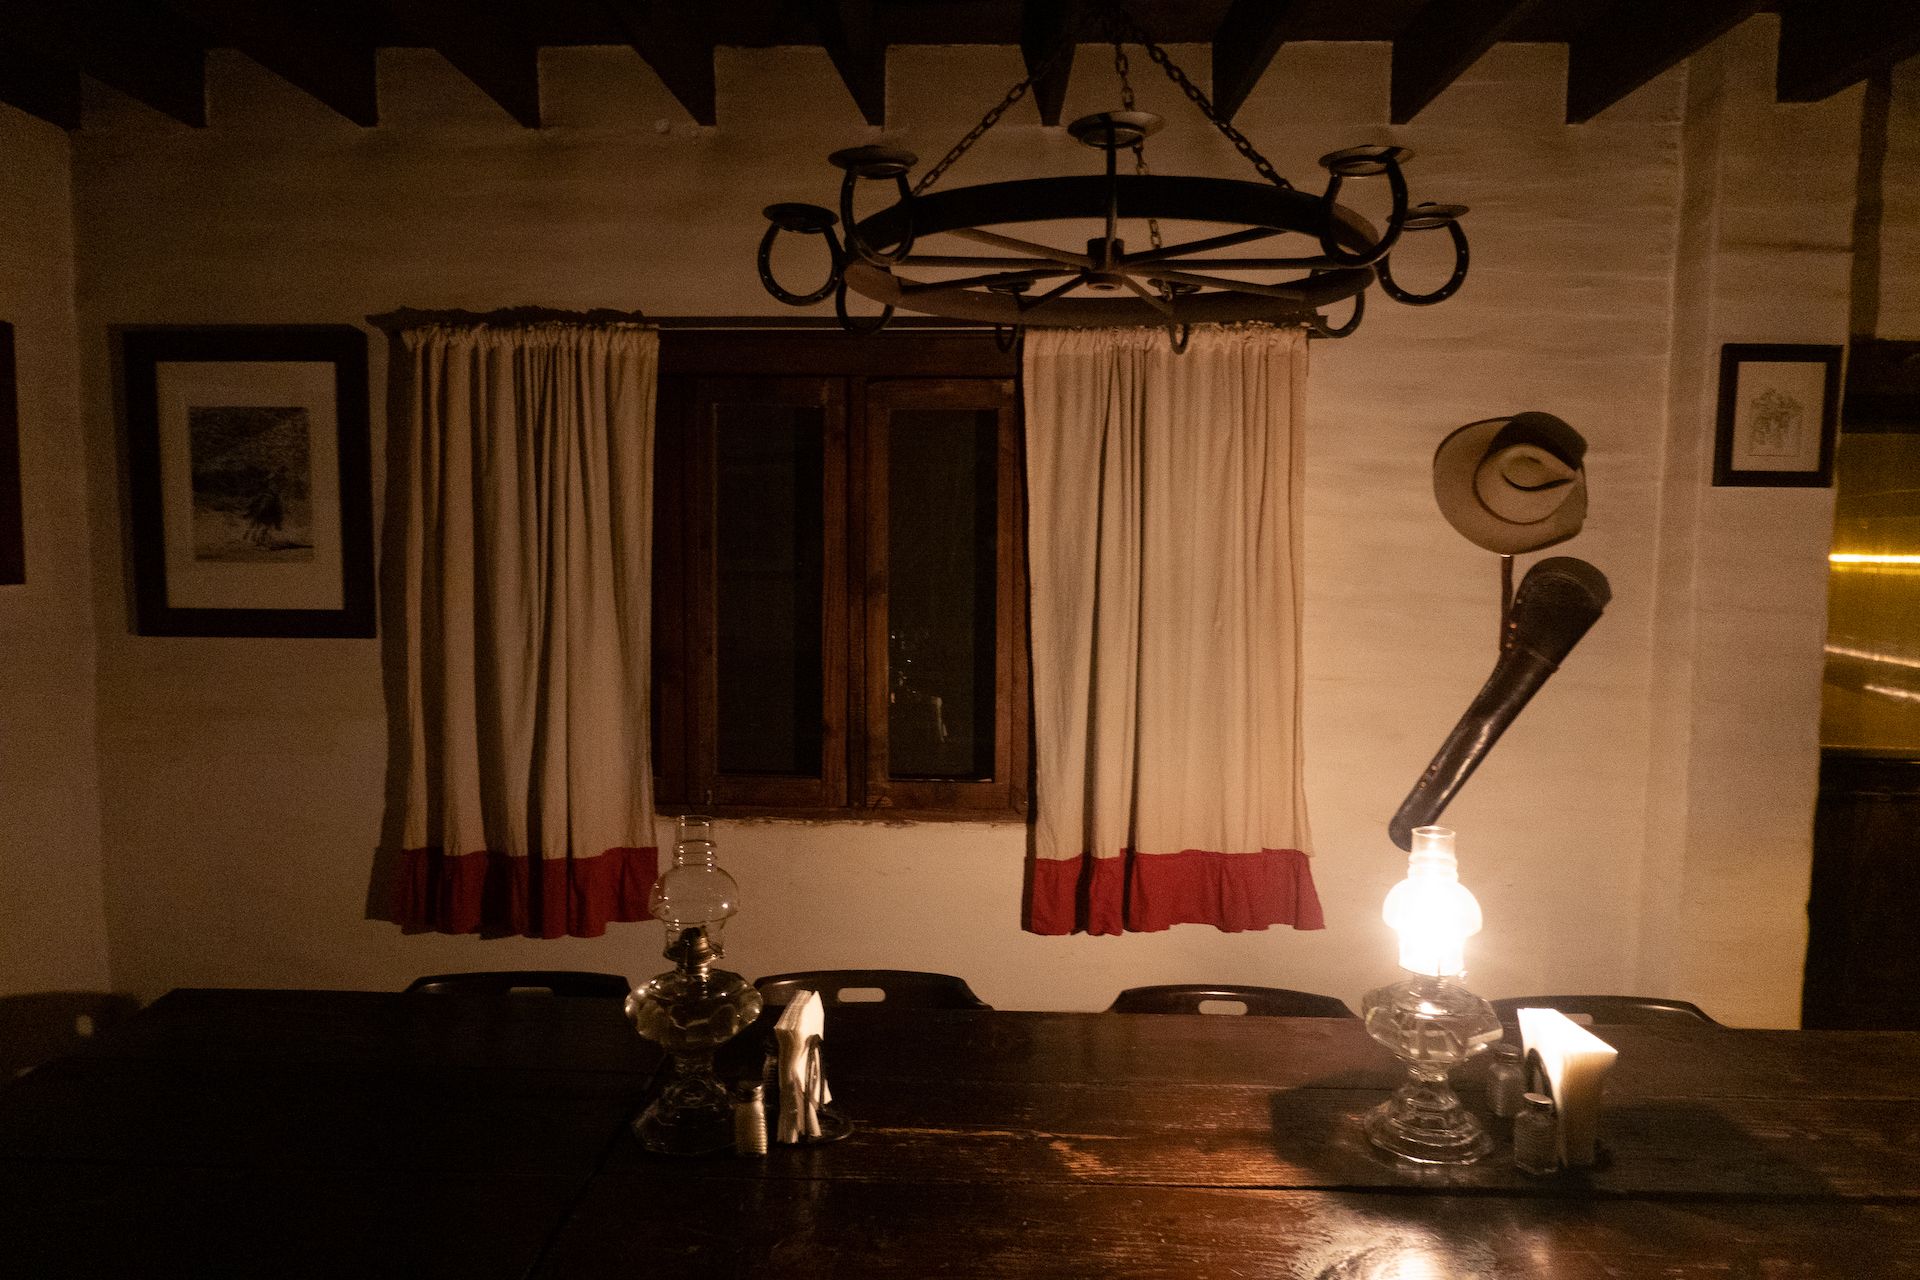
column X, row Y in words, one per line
column 1535, row 1134
column 750, row 1121
column 1506, row 1080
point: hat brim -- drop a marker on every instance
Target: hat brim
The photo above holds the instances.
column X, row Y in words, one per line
column 1455, row 464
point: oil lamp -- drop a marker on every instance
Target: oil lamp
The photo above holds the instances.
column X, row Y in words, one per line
column 693, row 1008
column 1429, row 1019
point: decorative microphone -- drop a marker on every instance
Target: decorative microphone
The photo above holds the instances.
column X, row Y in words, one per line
column 1558, row 600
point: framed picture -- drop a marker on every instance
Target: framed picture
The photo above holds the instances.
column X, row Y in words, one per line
column 1779, row 415
column 13, row 550
column 248, row 471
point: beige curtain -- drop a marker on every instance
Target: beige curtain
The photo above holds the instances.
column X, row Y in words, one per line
column 527, row 565
column 1165, row 499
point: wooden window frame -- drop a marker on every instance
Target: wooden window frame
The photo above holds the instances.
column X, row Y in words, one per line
column 1005, row 792
column 968, row 369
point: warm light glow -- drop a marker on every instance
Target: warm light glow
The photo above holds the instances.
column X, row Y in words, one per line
column 1889, row 691
column 1868, row 655
column 1431, row 910
column 1861, row 557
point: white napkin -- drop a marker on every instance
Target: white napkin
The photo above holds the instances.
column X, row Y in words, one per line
column 1575, row 1062
column 803, row 1087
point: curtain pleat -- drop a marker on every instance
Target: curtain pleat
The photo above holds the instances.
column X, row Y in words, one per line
column 1164, row 494
column 527, row 584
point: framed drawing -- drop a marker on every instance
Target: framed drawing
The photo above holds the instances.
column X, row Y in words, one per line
column 248, row 478
column 13, row 551
column 1779, row 415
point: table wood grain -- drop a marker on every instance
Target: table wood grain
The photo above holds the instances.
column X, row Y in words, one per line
column 666, row 1226
column 343, row 1133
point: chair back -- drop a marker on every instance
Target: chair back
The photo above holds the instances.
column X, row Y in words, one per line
column 904, row 988
column 524, row 982
column 46, row 1025
column 1267, row 1002
column 1641, row 1011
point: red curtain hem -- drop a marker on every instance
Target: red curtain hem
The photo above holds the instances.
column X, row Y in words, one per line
column 1149, row 892
column 497, row 894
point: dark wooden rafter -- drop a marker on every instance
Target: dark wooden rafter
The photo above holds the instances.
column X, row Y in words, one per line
column 673, row 45
column 1443, row 40
column 46, row 85
column 1044, row 24
column 1249, row 36
column 1826, row 45
column 1635, row 41
column 850, row 30
column 485, row 44
column 299, row 44
column 135, row 48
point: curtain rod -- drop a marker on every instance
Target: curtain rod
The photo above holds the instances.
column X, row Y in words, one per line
column 410, row 317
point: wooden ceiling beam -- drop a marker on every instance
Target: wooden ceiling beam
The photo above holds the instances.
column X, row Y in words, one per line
column 39, row 84
column 1044, row 24
column 1631, row 43
column 1249, row 36
column 145, row 53
column 1445, row 38
column 484, row 44
column 1826, row 45
column 678, row 51
column 141, row 51
column 299, row 45
column 850, row 30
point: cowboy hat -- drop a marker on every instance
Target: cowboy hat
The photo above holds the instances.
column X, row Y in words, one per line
column 1512, row 484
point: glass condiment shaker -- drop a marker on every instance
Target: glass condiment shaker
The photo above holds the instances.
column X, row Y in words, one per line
column 1535, row 1135
column 750, row 1121
column 1506, row 1080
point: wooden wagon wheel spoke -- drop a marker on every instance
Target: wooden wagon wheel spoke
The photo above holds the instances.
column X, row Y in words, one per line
column 1226, row 241
column 1065, row 256
column 1153, row 299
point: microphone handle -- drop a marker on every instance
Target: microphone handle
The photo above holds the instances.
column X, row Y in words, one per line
column 1515, row 679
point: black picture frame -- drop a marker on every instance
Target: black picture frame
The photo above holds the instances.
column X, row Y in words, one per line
column 238, row 562
column 13, row 545
column 1764, row 434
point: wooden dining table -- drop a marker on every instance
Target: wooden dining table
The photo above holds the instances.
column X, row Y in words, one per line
column 328, row 1133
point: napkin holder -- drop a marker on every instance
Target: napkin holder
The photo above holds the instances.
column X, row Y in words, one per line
column 796, row 1077
column 1569, row 1064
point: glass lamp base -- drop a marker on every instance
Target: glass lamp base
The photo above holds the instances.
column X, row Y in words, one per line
column 1431, row 1024
column 693, row 1116
column 1423, row 1121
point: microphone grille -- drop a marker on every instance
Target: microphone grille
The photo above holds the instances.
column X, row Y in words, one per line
column 1557, row 602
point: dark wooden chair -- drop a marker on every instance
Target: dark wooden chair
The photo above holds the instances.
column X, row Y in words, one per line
column 1641, row 1011
column 46, row 1025
column 528, row 982
column 908, row 988
column 1266, row 1002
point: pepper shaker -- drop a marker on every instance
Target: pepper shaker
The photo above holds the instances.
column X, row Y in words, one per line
column 1506, row 1080
column 750, row 1121
column 1535, row 1136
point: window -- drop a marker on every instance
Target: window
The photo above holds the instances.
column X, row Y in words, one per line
column 840, row 598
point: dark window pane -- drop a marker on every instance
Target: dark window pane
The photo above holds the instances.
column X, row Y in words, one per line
column 941, row 562
column 768, row 532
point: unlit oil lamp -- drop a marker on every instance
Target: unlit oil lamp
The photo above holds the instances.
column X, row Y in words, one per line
column 692, row 1009
column 1429, row 1019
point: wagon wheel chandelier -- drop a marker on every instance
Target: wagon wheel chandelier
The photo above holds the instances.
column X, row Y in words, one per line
column 1099, row 281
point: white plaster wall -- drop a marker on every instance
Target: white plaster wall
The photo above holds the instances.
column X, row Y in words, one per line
column 1742, row 595
column 52, row 922
column 246, row 773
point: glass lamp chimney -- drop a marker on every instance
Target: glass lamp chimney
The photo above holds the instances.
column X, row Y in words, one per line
column 694, row 893
column 1433, row 913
